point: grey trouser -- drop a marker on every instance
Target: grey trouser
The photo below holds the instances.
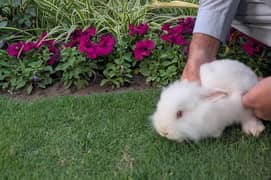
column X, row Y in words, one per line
column 253, row 17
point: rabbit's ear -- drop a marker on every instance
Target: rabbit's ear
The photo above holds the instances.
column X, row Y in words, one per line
column 215, row 95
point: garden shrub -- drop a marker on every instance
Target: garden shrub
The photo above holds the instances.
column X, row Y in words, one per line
column 115, row 39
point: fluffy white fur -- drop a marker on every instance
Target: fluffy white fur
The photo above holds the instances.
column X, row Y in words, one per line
column 207, row 109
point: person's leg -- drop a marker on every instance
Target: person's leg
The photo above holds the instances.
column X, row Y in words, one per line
column 212, row 27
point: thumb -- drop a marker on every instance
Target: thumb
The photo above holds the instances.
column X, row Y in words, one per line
column 247, row 101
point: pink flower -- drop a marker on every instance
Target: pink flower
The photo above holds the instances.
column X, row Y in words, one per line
column 54, row 52
column 174, row 39
column 75, row 38
column 252, row 46
column 166, row 27
column 15, row 49
column 188, row 24
column 178, row 29
column 41, row 40
column 84, row 43
column 141, row 29
column 90, row 32
column 91, row 52
column 85, row 39
column 54, row 58
column 143, row 48
column 28, row 46
column 102, row 48
column 248, row 48
column 174, row 35
column 105, row 45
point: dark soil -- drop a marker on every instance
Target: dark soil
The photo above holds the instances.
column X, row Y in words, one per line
column 58, row 89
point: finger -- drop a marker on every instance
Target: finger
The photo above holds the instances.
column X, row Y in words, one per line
column 260, row 78
column 260, row 115
column 248, row 101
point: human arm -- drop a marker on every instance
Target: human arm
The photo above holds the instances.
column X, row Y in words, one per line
column 212, row 27
column 259, row 99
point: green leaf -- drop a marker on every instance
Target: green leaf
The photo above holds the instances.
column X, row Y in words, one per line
column 167, row 63
column 29, row 89
column 104, row 81
column 21, row 84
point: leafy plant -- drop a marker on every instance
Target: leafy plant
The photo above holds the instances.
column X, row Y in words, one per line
column 7, row 66
column 26, row 74
column 164, row 66
column 15, row 16
column 249, row 51
column 119, row 68
column 76, row 69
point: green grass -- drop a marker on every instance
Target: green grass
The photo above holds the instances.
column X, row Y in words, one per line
column 108, row 136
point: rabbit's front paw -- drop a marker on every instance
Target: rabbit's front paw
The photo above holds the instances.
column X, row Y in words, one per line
column 253, row 127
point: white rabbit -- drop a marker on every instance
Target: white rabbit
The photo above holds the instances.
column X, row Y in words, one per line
column 189, row 111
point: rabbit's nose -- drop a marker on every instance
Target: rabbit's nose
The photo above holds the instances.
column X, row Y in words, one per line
column 164, row 133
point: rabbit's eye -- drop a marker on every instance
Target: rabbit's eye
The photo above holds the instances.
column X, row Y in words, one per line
column 179, row 114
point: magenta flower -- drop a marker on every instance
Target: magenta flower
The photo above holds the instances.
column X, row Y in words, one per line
column 105, row 45
column 141, row 29
column 143, row 48
column 54, row 52
column 54, row 57
column 174, row 39
column 188, row 24
column 28, row 46
column 102, row 48
column 15, row 49
column 174, row 35
column 85, row 39
column 91, row 52
column 90, row 32
column 252, row 47
column 248, row 48
column 84, row 43
column 75, row 38
column 166, row 27
column 41, row 40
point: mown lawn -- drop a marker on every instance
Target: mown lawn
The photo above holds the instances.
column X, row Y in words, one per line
column 108, row 136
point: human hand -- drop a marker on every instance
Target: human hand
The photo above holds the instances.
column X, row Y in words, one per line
column 259, row 99
column 191, row 72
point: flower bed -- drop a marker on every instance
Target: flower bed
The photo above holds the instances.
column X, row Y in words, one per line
column 157, row 55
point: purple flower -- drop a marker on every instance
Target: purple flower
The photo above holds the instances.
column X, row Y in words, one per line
column 105, row 45
column 35, row 78
column 143, row 48
column 141, row 29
